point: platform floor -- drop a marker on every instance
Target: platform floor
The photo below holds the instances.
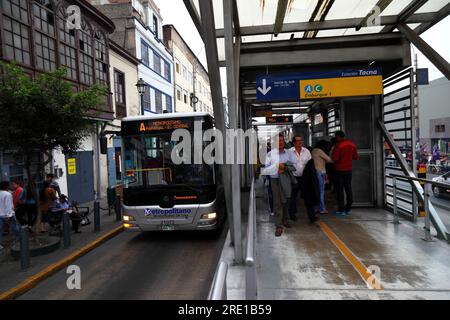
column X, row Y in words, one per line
column 327, row 260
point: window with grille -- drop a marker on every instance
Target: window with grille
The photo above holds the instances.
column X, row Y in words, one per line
column 440, row 129
column 45, row 52
column 16, row 34
column 101, row 61
column 67, row 46
column 147, row 99
column 43, row 17
column 157, row 63
column 158, row 101
column 86, row 61
column 119, row 92
column 169, row 104
column 144, row 53
column 155, row 26
column 167, row 71
column 17, row 9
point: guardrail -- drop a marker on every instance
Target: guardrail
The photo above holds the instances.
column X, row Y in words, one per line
column 416, row 187
column 250, row 260
column 429, row 209
column 219, row 287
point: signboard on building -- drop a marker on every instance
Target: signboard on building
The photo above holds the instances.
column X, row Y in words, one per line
column 317, row 85
column 423, row 77
column 71, row 166
column 280, row 120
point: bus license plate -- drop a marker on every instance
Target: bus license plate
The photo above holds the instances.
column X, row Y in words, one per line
column 168, row 226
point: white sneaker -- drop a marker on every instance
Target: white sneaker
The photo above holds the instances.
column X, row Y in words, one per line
column 1, row 247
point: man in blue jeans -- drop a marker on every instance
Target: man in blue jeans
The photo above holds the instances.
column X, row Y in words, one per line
column 7, row 210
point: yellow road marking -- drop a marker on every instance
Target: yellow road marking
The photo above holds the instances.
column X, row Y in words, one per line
column 31, row 282
column 363, row 271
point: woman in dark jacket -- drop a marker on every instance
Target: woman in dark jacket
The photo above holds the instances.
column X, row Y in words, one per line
column 311, row 190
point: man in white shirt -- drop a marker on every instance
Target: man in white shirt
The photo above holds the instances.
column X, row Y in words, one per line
column 275, row 165
column 7, row 210
column 302, row 157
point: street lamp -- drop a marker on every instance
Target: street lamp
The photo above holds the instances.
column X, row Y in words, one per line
column 141, row 86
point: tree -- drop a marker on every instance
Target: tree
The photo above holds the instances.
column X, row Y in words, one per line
column 42, row 114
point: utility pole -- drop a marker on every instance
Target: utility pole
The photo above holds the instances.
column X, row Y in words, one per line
column 194, row 80
column 416, row 118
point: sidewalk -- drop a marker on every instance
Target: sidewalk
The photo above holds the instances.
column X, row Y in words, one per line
column 10, row 273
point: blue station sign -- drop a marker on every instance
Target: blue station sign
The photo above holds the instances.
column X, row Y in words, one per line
column 296, row 86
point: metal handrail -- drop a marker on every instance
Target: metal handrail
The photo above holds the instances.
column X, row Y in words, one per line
column 250, row 260
column 250, row 255
column 429, row 209
column 219, row 286
column 434, row 183
column 417, row 188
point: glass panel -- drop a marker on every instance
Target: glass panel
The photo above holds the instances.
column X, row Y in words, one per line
column 148, row 163
column 396, row 7
column 300, row 11
column 221, row 49
column 257, row 12
column 343, row 9
column 433, row 6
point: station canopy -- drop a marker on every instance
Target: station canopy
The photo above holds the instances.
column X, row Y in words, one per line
column 278, row 20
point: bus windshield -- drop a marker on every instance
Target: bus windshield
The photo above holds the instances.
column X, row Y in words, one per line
column 148, row 164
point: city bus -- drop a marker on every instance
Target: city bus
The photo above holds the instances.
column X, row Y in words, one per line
column 159, row 195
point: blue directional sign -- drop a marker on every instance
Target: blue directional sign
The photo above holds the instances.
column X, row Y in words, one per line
column 287, row 87
column 277, row 88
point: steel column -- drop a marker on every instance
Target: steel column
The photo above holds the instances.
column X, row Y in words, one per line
column 426, row 49
column 212, row 57
column 233, row 112
column 279, row 19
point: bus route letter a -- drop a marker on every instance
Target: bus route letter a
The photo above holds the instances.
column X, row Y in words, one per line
column 74, row 280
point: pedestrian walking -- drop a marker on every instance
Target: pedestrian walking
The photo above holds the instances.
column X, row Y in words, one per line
column 280, row 167
column 17, row 189
column 302, row 157
column 321, row 158
column 28, row 205
column 7, row 211
column 311, row 190
column 46, row 202
column 343, row 155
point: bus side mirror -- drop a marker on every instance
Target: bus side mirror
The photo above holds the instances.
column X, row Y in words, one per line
column 103, row 145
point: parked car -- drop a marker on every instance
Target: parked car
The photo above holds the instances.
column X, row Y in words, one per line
column 439, row 191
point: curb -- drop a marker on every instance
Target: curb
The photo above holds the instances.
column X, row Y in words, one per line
column 31, row 282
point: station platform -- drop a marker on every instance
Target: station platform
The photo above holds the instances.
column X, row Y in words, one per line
column 331, row 259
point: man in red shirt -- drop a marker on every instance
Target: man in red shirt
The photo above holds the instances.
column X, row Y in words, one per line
column 17, row 190
column 343, row 155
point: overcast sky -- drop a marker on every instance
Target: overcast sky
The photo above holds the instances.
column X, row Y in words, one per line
column 174, row 12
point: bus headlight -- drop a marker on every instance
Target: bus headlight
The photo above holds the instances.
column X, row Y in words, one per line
column 128, row 218
column 209, row 216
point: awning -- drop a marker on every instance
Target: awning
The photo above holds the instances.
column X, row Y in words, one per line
column 278, row 20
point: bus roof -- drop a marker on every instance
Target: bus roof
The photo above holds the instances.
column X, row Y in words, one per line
column 166, row 116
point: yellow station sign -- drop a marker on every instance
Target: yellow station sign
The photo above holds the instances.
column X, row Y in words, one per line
column 341, row 87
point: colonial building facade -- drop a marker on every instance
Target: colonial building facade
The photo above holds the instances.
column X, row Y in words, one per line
column 124, row 76
column 192, row 88
column 139, row 31
column 35, row 34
